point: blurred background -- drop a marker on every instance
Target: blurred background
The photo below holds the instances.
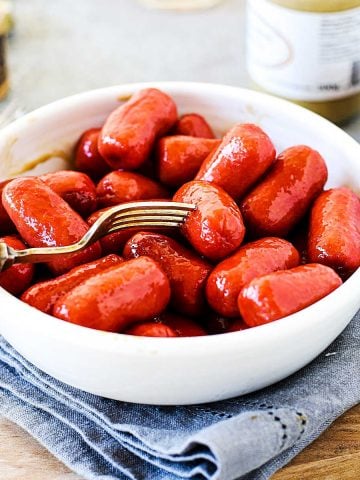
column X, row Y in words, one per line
column 63, row 47
column 59, row 48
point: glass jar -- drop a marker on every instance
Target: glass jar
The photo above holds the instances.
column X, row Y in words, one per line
column 6, row 24
column 307, row 51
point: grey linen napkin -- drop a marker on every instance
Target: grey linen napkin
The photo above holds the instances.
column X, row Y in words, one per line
column 248, row 437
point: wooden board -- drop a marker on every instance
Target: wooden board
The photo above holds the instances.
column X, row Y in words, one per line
column 333, row 456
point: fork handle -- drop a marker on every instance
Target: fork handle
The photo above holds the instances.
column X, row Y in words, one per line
column 9, row 256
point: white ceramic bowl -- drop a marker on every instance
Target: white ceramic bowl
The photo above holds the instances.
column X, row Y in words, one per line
column 177, row 370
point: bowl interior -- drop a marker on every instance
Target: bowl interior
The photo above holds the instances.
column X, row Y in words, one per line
column 42, row 141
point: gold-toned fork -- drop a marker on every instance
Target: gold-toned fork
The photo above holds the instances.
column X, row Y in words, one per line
column 149, row 214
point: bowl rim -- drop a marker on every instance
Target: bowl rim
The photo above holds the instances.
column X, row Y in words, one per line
column 128, row 89
column 131, row 345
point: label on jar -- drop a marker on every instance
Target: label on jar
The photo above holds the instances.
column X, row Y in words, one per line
column 303, row 55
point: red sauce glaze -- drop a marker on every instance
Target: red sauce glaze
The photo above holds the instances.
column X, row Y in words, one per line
column 151, row 329
column 182, row 326
column 44, row 219
column 179, row 158
column 237, row 325
column 215, row 229
column 87, row 156
column 76, row 188
column 17, row 278
column 299, row 238
column 215, row 323
column 120, row 187
column 135, row 291
column 334, row 234
column 243, row 156
column 6, row 225
column 279, row 202
column 186, row 271
column 148, row 168
column 194, row 125
column 250, row 261
column 282, row 293
column 131, row 130
column 44, row 295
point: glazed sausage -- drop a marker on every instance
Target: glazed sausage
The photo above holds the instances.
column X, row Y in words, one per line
column 87, row 157
column 167, row 325
column 17, row 278
column 44, row 295
column 76, row 188
column 151, row 329
column 44, row 219
column 282, row 293
column 6, row 225
column 179, row 158
column 135, row 291
column 244, row 154
column 215, row 229
column 280, row 201
column 130, row 131
column 194, row 125
column 250, row 261
column 182, row 326
column 334, row 234
column 119, row 187
column 187, row 272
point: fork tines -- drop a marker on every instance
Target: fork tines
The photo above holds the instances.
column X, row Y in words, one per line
column 129, row 215
column 144, row 215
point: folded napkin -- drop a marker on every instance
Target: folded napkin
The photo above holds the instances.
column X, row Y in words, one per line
column 248, row 437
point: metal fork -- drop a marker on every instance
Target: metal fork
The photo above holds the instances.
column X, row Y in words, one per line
column 128, row 215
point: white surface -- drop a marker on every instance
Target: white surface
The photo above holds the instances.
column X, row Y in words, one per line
column 64, row 47
column 180, row 370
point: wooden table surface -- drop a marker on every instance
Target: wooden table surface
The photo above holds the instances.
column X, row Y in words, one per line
column 335, row 455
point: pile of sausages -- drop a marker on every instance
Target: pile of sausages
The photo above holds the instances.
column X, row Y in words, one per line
column 265, row 240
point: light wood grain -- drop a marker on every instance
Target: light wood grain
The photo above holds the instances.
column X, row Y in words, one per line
column 23, row 458
column 335, row 455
